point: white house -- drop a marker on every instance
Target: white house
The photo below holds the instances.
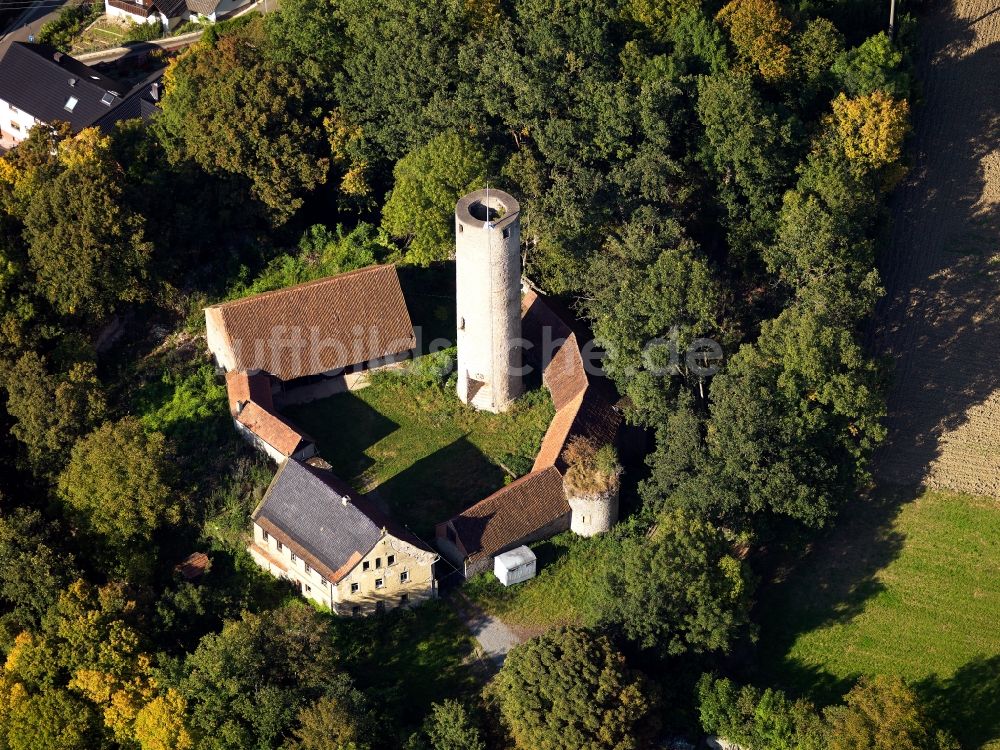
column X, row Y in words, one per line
column 167, row 13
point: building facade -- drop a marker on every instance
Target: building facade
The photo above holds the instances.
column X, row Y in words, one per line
column 337, row 549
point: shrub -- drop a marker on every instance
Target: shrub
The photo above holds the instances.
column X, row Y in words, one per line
column 592, row 469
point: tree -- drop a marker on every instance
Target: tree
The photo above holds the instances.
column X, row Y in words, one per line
column 758, row 720
column 428, row 182
column 875, row 65
column 31, row 571
column 400, row 77
column 749, row 147
column 161, row 724
column 795, row 418
column 816, row 50
column 572, row 690
column 681, row 589
column 883, row 714
column 329, row 724
column 246, row 685
column 651, row 284
column 871, row 129
column 53, row 718
column 450, row 727
column 759, row 32
column 86, row 246
column 118, row 484
column 233, row 110
column 53, row 411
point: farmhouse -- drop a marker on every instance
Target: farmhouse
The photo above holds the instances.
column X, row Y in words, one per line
column 170, row 13
column 336, row 548
column 40, row 84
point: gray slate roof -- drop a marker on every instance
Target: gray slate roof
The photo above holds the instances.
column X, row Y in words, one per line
column 305, row 505
column 36, row 78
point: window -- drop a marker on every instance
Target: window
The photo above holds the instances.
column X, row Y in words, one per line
column 390, row 559
column 70, row 104
column 294, row 558
column 404, row 576
column 378, row 563
column 308, row 569
column 506, row 232
column 365, row 565
column 13, row 108
column 14, row 125
column 355, row 611
column 280, row 546
column 379, row 582
column 355, row 587
column 264, row 535
column 403, row 600
column 307, row 588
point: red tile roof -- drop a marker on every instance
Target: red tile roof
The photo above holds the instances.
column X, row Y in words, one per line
column 511, row 514
column 193, row 565
column 319, row 326
column 242, row 388
column 272, row 429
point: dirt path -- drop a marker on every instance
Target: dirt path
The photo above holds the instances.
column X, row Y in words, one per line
column 940, row 321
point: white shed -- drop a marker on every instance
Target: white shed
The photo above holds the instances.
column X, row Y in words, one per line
column 514, row 566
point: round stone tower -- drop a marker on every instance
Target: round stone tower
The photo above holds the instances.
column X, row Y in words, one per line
column 488, row 295
column 593, row 513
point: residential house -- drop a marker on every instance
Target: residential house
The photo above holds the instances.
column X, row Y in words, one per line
column 336, row 547
column 40, row 84
column 167, row 13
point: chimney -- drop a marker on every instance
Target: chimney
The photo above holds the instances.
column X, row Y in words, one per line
column 154, row 91
column 72, row 82
column 345, row 501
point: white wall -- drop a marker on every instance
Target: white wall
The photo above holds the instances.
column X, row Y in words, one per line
column 113, row 12
column 14, row 123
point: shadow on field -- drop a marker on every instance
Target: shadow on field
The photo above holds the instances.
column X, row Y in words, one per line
column 440, row 485
column 829, row 584
column 939, row 322
column 967, row 703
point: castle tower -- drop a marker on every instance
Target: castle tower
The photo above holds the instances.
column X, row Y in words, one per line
column 488, row 294
column 593, row 512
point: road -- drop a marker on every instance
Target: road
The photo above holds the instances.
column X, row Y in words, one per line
column 494, row 637
column 29, row 22
column 940, row 321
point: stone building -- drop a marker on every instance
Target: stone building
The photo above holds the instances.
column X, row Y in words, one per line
column 488, row 299
column 337, row 548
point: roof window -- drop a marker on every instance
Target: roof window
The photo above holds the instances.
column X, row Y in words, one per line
column 108, row 98
column 70, row 104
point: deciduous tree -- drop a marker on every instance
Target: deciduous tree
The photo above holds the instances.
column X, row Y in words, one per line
column 760, row 32
column 427, row 183
column 572, row 690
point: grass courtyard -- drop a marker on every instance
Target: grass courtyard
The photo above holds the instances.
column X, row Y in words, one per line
column 567, row 591
column 418, row 449
column 904, row 585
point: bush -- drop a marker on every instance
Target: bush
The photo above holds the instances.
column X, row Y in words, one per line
column 73, row 19
column 143, row 32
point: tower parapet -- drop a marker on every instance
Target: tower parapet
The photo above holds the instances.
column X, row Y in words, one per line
column 488, row 299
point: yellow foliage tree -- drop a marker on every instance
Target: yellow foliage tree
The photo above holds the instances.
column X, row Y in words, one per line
column 759, row 31
column 160, row 724
column 871, row 128
column 87, row 147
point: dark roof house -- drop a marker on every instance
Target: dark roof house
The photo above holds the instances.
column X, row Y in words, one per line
column 51, row 86
column 322, row 521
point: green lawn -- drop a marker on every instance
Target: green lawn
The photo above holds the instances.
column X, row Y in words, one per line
column 903, row 586
column 566, row 591
column 420, row 450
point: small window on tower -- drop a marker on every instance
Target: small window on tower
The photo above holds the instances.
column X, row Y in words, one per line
column 506, row 232
column 461, row 228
